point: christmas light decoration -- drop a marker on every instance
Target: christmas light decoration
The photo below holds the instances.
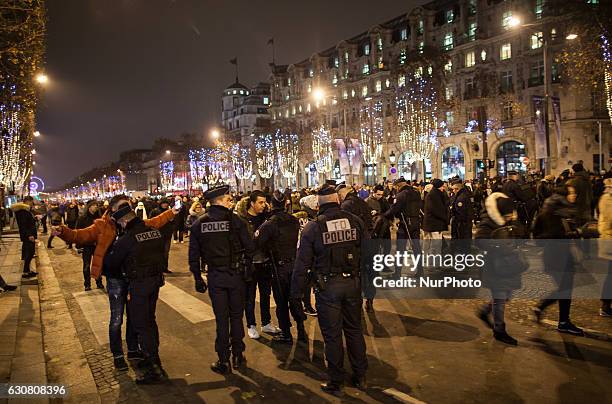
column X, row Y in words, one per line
column 471, row 125
column 264, row 155
column 287, row 151
column 166, row 171
column 372, row 132
column 241, row 161
column 416, row 105
column 197, row 167
column 322, row 150
column 607, row 57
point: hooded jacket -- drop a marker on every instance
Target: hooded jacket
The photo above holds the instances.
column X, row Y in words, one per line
column 102, row 232
column 584, row 195
column 25, row 220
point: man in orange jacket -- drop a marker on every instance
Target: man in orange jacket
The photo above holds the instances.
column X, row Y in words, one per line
column 103, row 233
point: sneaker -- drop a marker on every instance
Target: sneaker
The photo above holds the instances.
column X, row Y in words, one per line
column 238, row 361
column 120, row 363
column 605, row 312
column 309, row 311
column 182, row 242
column 150, row 376
column 359, row 382
column 568, row 328
column 100, row 285
column 222, row 368
column 252, row 331
column 174, row 241
column 8, row 288
column 29, row 274
column 270, row 329
column 504, row 337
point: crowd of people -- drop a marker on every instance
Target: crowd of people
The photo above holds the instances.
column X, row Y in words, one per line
column 293, row 244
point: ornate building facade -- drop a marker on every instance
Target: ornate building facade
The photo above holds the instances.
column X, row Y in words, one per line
column 486, row 69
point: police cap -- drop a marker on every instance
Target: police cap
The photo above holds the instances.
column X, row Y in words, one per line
column 217, row 191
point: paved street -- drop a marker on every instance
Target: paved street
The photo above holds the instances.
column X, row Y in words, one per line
column 427, row 350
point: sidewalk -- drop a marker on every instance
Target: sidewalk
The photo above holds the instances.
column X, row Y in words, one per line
column 38, row 340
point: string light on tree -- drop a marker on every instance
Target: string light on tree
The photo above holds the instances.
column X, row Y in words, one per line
column 322, row 150
column 241, row 161
column 287, row 151
column 197, row 167
column 166, row 171
column 372, row 132
column 607, row 57
column 264, row 155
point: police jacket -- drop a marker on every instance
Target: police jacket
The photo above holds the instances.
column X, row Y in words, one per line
column 514, row 191
column 407, row 203
column 278, row 237
column 461, row 206
column 330, row 244
column 138, row 252
column 219, row 239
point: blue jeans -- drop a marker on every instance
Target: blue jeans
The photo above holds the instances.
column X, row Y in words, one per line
column 117, row 298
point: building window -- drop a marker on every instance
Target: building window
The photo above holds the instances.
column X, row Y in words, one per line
column 308, row 107
column 448, row 41
column 366, row 69
column 537, row 39
column 472, row 31
column 483, row 55
column 300, row 108
column 470, row 59
column 404, row 34
column 472, row 7
column 364, row 91
column 418, row 72
column 450, row 119
column 453, row 163
column 421, row 28
column 379, row 44
column 293, row 110
column 353, row 93
column 366, row 49
column 346, row 57
column 402, row 56
column 539, row 8
column 506, row 82
column 346, row 73
column 336, row 61
column 311, row 72
column 387, row 83
column 421, row 46
column 505, row 51
column 536, row 75
column 507, row 111
column 553, row 34
column 506, row 19
column 381, row 64
column 345, row 94
column 378, row 86
column 335, row 79
column 309, row 88
column 470, row 89
column 450, row 16
column 266, row 100
column 401, row 81
column 449, row 93
column 448, row 67
column 286, row 97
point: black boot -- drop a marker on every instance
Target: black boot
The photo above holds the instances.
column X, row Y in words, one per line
column 222, row 368
column 503, row 336
column 369, row 306
column 283, row 338
column 302, row 335
column 120, row 363
column 238, row 361
column 334, row 388
column 8, row 288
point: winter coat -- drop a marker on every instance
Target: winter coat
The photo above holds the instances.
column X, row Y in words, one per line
column 504, row 262
column 55, row 217
column 86, row 220
column 193, row 215
column 358, row 207
column 584, row 197
column 554, row 218
column 102, row 232
column 25, row 220
column 168, row 228
column 604, row 226
column 72, row 215
column 436, row 211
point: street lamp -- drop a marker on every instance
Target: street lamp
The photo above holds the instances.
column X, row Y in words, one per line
column 168, row 152
column 571, row 37
column 392, row 158
column 215, row 134
column 36, row 133
column 42, row 78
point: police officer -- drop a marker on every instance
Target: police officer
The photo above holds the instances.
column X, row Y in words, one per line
column 462, row 211
column 278, row 237
column 407, row 208
column 220, row 240
column 522, row 195
column 139, row 252
column 330, row 245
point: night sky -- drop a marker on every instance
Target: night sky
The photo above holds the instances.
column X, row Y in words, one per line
column 124, row 72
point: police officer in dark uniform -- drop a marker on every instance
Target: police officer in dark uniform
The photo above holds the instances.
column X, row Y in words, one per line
column 220, row 240
column 139, row 252
column 522, row 196
column 462, row 211
column 278, row 237
column 407, row 208
column 331, row 246
column 462, row 214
